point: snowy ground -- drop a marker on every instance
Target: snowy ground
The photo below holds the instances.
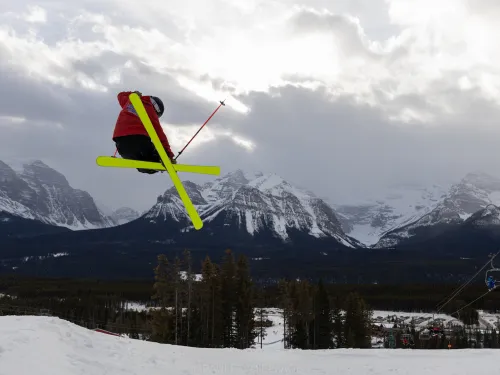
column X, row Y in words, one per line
column 46, row 345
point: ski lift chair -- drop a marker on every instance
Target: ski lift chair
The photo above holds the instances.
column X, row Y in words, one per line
column 493, row 271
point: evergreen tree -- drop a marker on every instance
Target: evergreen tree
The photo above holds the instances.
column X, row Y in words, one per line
column 261, row 316
column 338, row 326
column 211, row 311
column 296, row 334
column 190, row 278
column 323, row 327
column 301, row 317
column 244, row 309
column 357, row 322
column 286, row 307
column 494, row 339
column 177, row 296
column 228, row 294
column 161, row 318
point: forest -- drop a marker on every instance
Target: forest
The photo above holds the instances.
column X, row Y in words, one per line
column 224, row 307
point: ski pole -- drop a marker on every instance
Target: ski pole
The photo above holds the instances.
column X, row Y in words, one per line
column 208, row 119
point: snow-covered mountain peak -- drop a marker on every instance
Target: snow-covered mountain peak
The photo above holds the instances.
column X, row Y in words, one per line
column 124, row 215
column 41, row 193
column 268, row 182
column 42, row 173
column 236, row 178
column 474, row 197
column 226, row 187
column 6, row 172
column 275, row 185
column 256, row 204
column 401, row 204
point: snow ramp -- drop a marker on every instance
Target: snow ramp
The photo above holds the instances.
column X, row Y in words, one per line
column 47, row 345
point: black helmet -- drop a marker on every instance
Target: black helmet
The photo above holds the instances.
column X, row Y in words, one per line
column 158, row 105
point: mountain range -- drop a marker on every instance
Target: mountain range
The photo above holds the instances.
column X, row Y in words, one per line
column 40, row 193
column 262, row 215
column 406, row 209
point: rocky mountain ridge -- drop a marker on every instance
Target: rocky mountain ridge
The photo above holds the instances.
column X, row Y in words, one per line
column 39, row 192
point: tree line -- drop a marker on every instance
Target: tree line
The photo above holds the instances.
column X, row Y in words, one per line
column 224, row 307
column 315, row 319
column 216, row 311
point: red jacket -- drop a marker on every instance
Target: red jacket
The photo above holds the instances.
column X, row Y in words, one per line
column 129, row 123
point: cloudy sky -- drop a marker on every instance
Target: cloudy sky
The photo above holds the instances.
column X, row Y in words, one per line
column 340, row 97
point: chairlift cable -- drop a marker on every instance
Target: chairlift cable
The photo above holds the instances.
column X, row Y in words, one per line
column 470, row 303
column 466, row 283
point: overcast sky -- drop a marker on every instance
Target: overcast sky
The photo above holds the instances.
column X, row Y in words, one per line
column 339, row 97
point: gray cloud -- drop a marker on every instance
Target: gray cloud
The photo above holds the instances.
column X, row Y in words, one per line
column 338, row 148
column 88, row 119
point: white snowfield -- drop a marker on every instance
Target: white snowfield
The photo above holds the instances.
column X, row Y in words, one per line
column 32, row 345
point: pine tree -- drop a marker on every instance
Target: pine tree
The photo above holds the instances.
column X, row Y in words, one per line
column 261, row 317
column 286, row 307
column 494, row 338
column 189, row 280
column 161, row 317
column 244, row 309
column 228, row 294
column 357, row 322
column 207, row 274
column 301, row 314
column 177, row 294
column 338, row 325
column 323, row 327
column 211, row 310
column 306, row 309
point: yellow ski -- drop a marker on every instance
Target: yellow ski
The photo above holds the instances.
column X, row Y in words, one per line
column 110, row 161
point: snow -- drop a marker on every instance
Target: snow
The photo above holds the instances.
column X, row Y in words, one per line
column 47, row 345
column 196, row 276
column 136, row 306
column 257, row 201
column 402, row 204
column 15, row 208
column 18, row 163
column 41, row 257
column 249, row 222
column 407, row 207
column 62, row 206
column 279, row 226
column 365, row 233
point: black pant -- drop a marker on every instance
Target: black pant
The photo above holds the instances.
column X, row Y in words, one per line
column 138, row 147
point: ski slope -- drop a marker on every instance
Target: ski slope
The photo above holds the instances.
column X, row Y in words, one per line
column 51, row 346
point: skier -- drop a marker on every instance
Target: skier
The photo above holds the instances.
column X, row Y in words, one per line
column 490, row 282
column 130, row 136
